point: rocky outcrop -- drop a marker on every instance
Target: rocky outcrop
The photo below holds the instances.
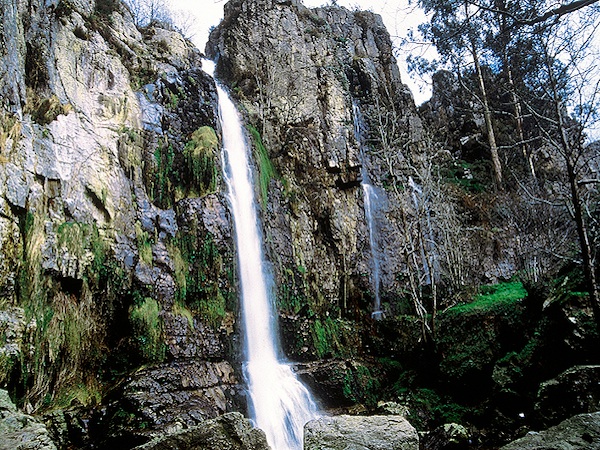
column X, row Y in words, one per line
column 21, row 431
column 450, row 436
column 297, row 72
column 360, row 432
column 578, row 432
column 229, row 432
column 575, row 391
column 115, row 244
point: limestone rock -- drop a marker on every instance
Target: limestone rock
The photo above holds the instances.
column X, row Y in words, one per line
column 228, row 432
column 450, row 436
column 575, row 391
column 21, row 431
column 180, row 394
column 297, row 71
column 578, row 432
column 360, row 433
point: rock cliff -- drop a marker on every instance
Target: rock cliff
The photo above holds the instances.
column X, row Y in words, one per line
column 118, row 285
column 110, row 215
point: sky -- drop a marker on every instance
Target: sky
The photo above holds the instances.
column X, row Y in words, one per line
column 398, row 16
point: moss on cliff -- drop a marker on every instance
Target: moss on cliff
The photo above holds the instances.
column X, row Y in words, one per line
column 200, row 155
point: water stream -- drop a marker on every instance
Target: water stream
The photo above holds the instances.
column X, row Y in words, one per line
column 279, row 403
column 370, row 199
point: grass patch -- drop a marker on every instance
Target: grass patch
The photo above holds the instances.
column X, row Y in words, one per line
column 181, row 310
column 333, row 338
column 266, row 170
column 144, row 244
column 492, row 296
column 200, row 155
column 201, row 278
column 147, row 325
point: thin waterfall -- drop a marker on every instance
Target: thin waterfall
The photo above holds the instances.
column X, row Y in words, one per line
column 279, row 403
column 370, row 200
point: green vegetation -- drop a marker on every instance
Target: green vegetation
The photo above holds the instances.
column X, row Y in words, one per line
column 147, row 325
column 144, row 244
column 67, row 337
column 202, row 278
column 473, row 177
column 333, row 338
column 493, row 296
column 181, row 310
column 428, row 409
column 200, row 155
column 162, row 178
column 362, row 385
column 266, row 171
column 469, row 334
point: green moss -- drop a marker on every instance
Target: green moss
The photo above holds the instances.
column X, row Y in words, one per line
column 361, row 385
column 201, row 277
column 181, row 310
column 493, row 296
column 333, row 338
column 472, row 337
column 162, row 178
column 472, row 177
column 200, row 155
column 428, row 409
column 147, row 329
column 144, row 244
column 266, row 170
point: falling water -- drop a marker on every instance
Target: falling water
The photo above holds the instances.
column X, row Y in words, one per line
column 369, row 198
column 279, row 404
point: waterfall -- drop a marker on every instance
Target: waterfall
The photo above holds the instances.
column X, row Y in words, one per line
column 279, row 404
column 370, row 201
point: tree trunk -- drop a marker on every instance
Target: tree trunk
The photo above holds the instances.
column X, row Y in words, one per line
column 582, row 232
column 487, row 113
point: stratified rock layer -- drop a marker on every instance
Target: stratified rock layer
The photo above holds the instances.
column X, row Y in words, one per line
column 229, row 432
column 360, row 433
column 21, row 431
column 578, row 432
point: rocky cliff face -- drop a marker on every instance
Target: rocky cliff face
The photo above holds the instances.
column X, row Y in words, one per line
column 297, row 73
column 117, row 267
column 111, row 214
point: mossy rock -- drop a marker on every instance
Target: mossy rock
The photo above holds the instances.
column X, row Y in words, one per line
column 473, row 336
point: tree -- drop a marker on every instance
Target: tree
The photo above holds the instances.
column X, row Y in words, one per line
column 456, row 30
column 567, row 99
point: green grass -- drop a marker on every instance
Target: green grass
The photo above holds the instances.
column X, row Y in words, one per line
column 200, row 155
column 493, row 295
column 266, row 170
column 147, row 325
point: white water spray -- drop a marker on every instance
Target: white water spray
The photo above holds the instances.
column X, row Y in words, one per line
column 279, row 404
column 369, row 199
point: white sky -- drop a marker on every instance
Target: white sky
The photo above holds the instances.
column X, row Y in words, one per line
column 397, row 15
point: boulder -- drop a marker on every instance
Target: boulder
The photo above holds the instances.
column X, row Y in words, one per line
column 450, row 436
column 21, row 431
column 575, row 391
column 578, row 432
column 360, row 433
column 228, row 432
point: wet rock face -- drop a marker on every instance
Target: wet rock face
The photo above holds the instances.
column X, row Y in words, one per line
column 296, row 71
column 575, row 391
column 360, row 432
column 171, row 397
column 18, row 430
column 228, row 432
column 578, row 432
column 95, row 116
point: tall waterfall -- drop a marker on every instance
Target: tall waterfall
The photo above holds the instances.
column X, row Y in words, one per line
column 279, row 404
column 370, row 200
